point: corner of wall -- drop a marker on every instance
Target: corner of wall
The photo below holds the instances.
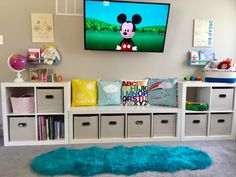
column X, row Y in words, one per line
column 1, row 131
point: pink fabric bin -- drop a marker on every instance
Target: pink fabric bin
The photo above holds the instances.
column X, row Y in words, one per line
column 22, row 105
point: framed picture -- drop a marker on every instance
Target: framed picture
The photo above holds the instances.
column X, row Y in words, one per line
column 203, row 33
column 42, row 27
column 34, row 74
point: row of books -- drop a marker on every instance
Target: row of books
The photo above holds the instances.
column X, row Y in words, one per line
column 50, row 128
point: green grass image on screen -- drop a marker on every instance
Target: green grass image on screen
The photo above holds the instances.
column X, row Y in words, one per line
column 108, row 40
column 104, row 36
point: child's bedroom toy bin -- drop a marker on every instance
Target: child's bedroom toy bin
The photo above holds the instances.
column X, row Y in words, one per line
column 220, row 76
column 22, row 105
column 213, row 73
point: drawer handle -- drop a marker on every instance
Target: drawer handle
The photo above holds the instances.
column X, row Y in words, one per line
column 112, row 123
column 222, row 95
column 196, row 121
column 221, row 121
column 49, row 96
column 85, row 123
column 22, row 125
column 164, row 121
column 139, row 122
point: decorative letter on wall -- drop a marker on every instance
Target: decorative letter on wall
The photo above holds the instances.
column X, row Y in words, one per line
column 42, row 28
column 203, row 32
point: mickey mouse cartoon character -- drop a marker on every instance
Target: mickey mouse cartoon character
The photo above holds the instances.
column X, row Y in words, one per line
column 127, row 31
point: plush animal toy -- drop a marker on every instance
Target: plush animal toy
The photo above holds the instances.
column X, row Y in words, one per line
column 51, row 56
column 127, row 31
column 225, row 64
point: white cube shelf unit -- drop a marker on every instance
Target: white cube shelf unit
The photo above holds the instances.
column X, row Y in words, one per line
column 112, row 124
column 216, row 123
column 115, row 124
column 38, row 120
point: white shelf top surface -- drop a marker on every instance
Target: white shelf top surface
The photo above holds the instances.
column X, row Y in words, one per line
column 34, row 84
column 206, row 84
column 123, row 109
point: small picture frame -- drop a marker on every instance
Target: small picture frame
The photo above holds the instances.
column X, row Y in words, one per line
column 34, row 74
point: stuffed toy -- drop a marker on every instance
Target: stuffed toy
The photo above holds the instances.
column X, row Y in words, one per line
column 225, row 64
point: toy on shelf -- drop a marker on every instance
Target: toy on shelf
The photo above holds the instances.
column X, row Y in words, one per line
column 225, row 64
column 17, row 63
column 193, row 78
column 48, row 55
column 44, row 75
column 224, row 71
column 201, row 57
column 196, row 106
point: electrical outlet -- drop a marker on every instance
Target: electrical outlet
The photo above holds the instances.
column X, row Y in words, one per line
column 1, row 39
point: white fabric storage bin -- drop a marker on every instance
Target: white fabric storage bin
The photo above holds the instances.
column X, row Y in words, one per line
column 221, row 124
column 164, row 124
column 50, row 100
column 22, row 129
column 112, row 126
column 196, row 125
column 222, row 99
column 139, row 125
column 85, row 127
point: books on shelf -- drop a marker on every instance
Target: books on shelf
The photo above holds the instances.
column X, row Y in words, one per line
column 50, row 128
column 201, row 57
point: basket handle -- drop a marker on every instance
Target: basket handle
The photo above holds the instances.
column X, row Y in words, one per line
column 49, row 96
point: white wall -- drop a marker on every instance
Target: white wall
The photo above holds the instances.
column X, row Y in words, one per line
column 78, row 63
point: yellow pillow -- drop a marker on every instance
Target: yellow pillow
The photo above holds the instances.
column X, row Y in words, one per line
column 84, row 93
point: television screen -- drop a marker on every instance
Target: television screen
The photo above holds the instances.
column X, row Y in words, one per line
column 125, row 26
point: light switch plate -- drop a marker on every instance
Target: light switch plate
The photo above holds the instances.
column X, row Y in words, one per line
column 1, row 39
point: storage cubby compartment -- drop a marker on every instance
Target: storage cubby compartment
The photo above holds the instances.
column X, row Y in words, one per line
column 50, row 127
column 18, row 96
column 139, row 125
column 50, row 100
column 112, row 126
column 22, row 128
column 198, row 94
column 164, row 125
column 196, row 125
column 85, row 126
column 221, row 124
column 222, row 98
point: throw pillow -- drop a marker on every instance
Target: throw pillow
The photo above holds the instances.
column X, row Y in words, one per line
column 134, row 92
column 84, row 92
column 162, row 92
column 109, row 92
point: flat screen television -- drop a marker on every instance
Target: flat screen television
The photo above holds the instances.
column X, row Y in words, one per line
column 125, row 26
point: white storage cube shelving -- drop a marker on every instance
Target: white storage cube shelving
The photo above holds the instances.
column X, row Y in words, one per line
column 219, row 120
column 131, row 123
column 42, row 126
column 116, row 124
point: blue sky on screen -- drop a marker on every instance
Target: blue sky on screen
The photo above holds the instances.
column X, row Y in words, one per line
column 152, row 14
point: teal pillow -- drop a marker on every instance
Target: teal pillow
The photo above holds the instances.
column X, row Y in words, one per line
column 109, row 93
column 162, row 92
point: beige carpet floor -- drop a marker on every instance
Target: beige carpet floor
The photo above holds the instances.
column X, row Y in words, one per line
column 15, row 161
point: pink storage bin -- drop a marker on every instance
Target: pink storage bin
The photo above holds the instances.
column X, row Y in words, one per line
column 22, row 105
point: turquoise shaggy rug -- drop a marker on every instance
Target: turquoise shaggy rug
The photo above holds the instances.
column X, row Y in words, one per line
column 120, row 160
